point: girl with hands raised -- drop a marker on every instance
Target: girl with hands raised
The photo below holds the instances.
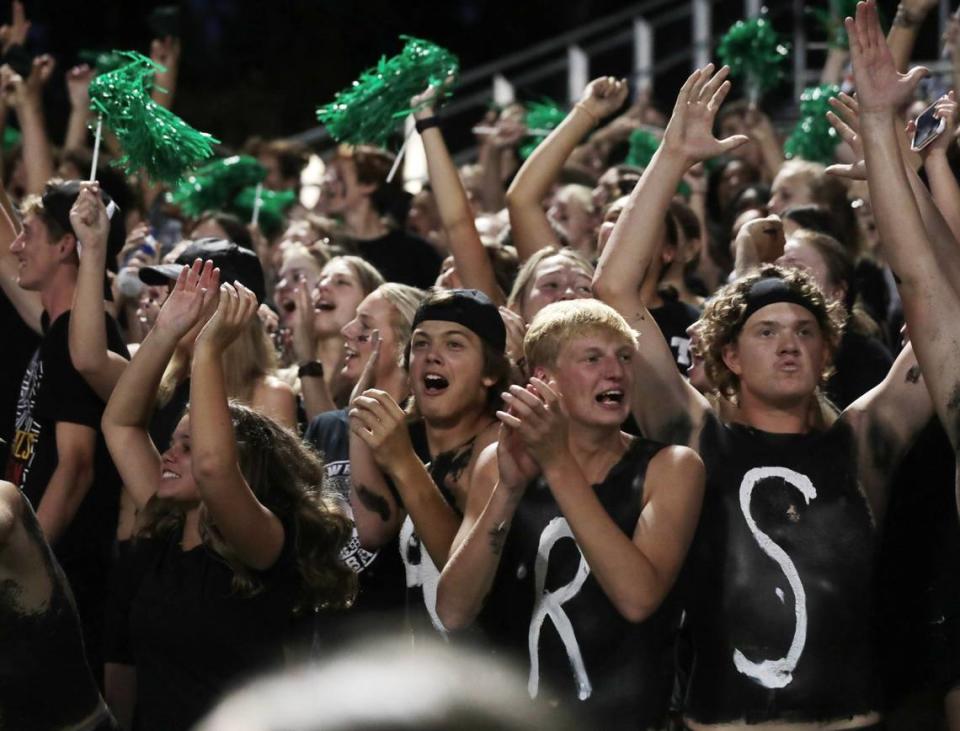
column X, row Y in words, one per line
column 238, row 537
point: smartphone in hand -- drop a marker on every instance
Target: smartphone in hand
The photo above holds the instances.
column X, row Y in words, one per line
column 928, row 128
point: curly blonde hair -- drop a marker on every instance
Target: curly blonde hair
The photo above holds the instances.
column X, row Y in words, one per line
column 723, row 320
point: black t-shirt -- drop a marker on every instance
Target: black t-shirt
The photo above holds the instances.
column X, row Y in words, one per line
column 194, row 636
column 380, row 573
column 861, row 362
column 673, row 319
column 780, row 579
column 548, row 611
column 45, row 682
column 20, row 343
column 401, row 257
column 53, row 391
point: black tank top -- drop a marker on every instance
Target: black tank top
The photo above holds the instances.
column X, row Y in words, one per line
column 45, row 682
column 548, row 611
column 780, row 580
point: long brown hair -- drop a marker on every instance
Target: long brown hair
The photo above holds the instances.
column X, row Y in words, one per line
column 287, row 477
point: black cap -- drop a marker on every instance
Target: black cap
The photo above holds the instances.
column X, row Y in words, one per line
column 470, row 308
column 58, row 199
column 236, row 264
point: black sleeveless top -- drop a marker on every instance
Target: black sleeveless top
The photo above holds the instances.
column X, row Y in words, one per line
column 548, row 611
column 45, row 682
column 780, row 579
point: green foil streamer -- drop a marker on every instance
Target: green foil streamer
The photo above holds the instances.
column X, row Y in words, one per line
column 216, row 184
column 814, row 138
column 754, row 53
column 545, row 114
column 367, row 111
column 273, row 206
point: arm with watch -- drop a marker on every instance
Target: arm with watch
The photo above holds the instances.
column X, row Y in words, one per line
column 528, row 221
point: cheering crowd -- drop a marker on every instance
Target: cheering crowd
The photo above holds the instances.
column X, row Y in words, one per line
column 558, row 442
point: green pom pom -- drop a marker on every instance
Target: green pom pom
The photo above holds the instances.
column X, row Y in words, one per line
column 103, row 62
column 543, row 116
column 814, row 138
column 273, row 205
column 643, row 144
column 215, row 185
column 753, row 51
column 153, row 138
column 367, row 111
column 11, row 137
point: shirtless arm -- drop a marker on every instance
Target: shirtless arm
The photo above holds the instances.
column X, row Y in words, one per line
column 629, row 252
column 930, row 299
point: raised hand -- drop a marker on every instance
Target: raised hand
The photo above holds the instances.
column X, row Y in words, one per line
column 88, row 216
column 304, row 334
column 517, row 468
column 424, row 104
column 760, row 241
column 165, row 51
column 183, row 308
column 367, row 376
column 537, row 414
column 604, row 96
column 40, row 74
column 880, row 87
column 11, row 86
column 845, row 119
column 237, row 306
column 78, row 86
column 14, row 33
column 689, row 132
column 380, row 422
column 946, row 109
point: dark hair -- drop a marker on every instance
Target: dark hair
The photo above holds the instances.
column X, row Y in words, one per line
column 814, row 218
column 505, row 263
column 287, row 477
column 235, row 229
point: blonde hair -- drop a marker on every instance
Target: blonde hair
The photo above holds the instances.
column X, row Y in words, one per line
column 404, row 300
column 521, row 285
column 559, row 323
column 722, row 321
column 366, row 273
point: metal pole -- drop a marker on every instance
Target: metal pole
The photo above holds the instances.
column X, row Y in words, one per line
column 578, row 73
column 503, row 91
column 642, row 55
column 751, row 8
column 702, row 35
column 799, row 50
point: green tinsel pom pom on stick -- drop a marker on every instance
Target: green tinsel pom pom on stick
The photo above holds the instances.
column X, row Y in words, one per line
column 216, row 184
column 541, row 119
column 643, row 144
column 814, row 138
column 273, row 205
column 367, row 111
column 153, row 138
column 754, row 53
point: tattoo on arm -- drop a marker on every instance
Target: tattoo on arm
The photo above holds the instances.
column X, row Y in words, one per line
column 373, row 502
column 498, row 536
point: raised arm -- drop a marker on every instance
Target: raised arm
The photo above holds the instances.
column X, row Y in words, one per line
column 380, row 422
column 78, row 87
column 99, row 366
column 26, row 95
column 943, row 183
column 628, row 254
column 905, row 28
column 469, row 256
column 130, row 407
column 528, row 221
column 930, row 299
column 166, row 53
column 248, row 526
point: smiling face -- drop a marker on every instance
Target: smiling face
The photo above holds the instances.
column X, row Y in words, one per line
column 176, row 476
column 556, row 278
column 374, row 313
column 446, row 371
column 779, row 356
column 38, row 256
column 336, row 297
column 594, row 373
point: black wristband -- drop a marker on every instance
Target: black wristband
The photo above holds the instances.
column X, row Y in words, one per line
column 424, row 124
column 310, row 369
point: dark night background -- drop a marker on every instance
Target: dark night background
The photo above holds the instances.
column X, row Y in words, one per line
column 252, row 67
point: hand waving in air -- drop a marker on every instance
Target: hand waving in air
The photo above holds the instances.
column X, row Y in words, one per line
column 237, row 306
column 182, row 310
column 689, row 133
column 604, row 96
column 880, row 87
column 88, row 216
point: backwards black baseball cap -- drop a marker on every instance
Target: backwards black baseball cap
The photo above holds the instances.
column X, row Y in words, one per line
column 58, row 199
column 236, row 264
column 470, row 308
